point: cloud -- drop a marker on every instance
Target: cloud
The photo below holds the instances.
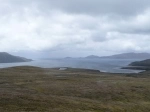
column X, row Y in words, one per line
column 81, row 26
column 121, row 7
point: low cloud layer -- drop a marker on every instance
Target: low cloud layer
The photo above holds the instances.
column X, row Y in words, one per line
column 74, row 27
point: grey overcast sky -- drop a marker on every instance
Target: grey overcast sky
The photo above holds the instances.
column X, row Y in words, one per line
column 59, row 28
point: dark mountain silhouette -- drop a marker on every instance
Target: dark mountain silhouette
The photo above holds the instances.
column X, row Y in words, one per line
column 8, row 58
column 141, row 63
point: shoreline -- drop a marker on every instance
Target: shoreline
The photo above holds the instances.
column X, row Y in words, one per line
column 138, row 71
column 144, row 68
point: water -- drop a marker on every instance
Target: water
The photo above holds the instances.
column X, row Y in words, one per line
column 104, row 65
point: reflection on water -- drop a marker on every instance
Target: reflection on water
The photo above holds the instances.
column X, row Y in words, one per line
column 104, row 65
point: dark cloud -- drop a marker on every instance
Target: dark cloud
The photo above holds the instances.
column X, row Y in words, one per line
column 98, row 7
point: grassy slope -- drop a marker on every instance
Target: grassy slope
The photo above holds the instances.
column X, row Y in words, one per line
column 72, row 90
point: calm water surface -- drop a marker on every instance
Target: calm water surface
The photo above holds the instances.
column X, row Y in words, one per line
column 104, row 65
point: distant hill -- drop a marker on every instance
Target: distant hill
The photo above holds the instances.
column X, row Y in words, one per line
column 141, row 63
column 129, row 56
column 8, row 58
column 92, row 56
column 68, row 58
column 141, row 56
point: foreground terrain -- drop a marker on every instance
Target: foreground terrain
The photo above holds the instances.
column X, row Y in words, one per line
column 72, row 90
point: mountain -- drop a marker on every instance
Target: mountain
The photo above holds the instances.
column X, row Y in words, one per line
column 129, row 56
column 141, row 63
column 8, row 58
column 68, row 58
column 92, row 56
column 141, row 56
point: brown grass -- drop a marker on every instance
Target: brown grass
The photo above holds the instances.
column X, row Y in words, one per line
column 34, row 89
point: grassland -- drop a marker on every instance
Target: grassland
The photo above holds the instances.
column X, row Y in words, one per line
column 33, row 89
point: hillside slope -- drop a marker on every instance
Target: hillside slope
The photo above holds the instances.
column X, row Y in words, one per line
column 141, row 63
column 8, row 58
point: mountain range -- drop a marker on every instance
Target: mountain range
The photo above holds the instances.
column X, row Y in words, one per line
column 8, row 58
column 124, row 56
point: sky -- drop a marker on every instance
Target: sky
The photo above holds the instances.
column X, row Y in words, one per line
column 74, row 28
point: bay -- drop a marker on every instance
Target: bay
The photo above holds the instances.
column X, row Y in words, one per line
column 104, row 65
